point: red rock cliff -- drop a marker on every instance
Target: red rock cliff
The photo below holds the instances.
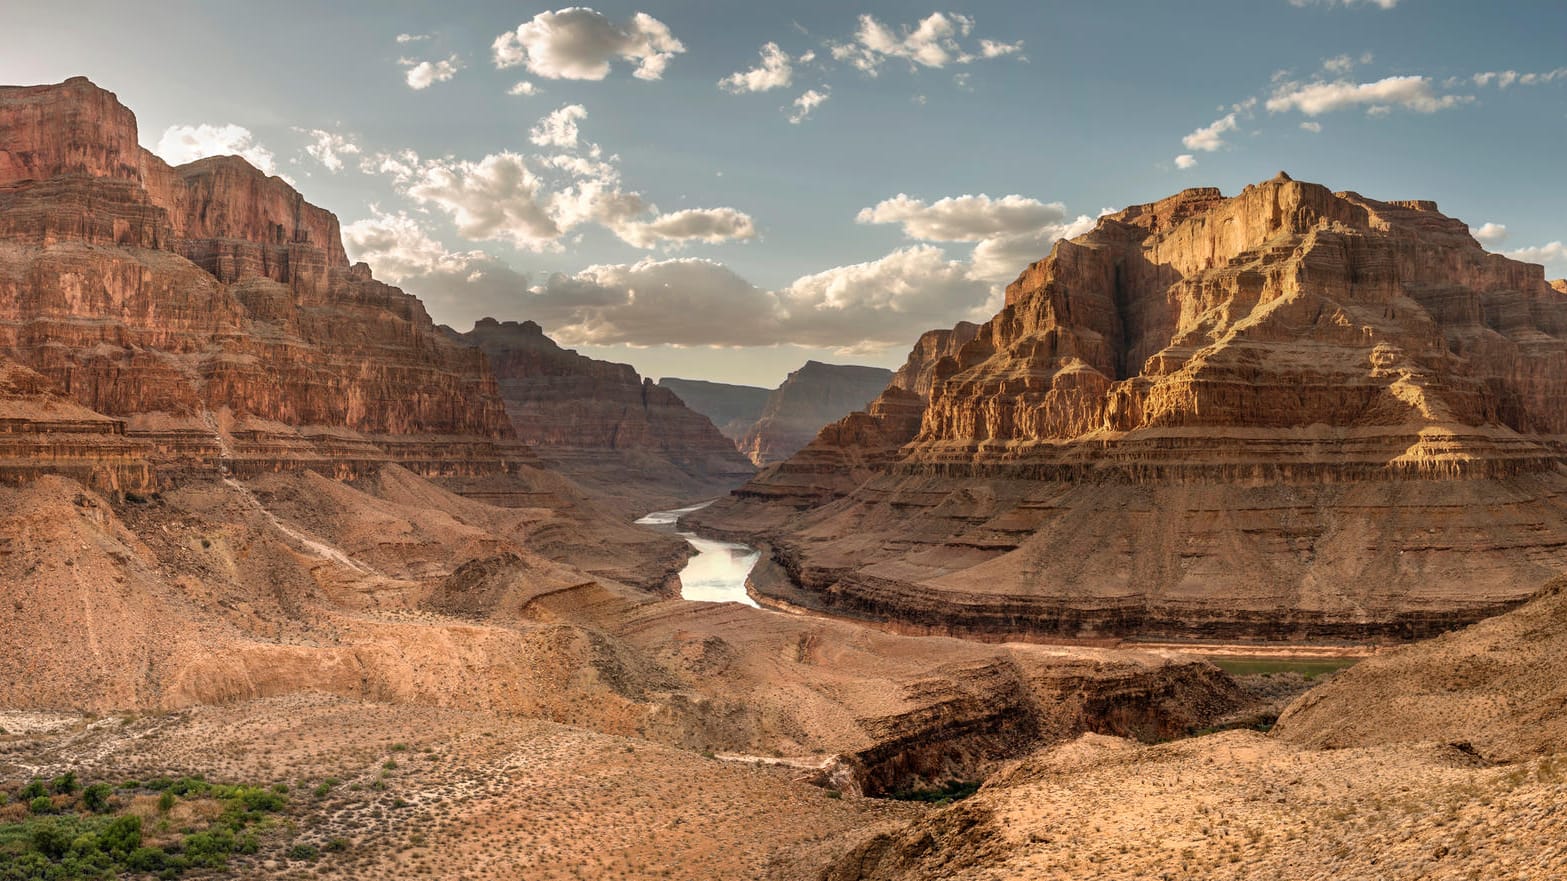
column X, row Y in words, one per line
column 212, row 311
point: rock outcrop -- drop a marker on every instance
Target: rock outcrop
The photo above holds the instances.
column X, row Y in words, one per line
column 1288, row 414
column 602, row 424
column 732, row 408
column 815, row 395
column 209, row 316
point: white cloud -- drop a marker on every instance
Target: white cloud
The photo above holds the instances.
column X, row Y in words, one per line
column 496, row 198
column 1414, row 93
column 579, row 44
column 412, row 38
column 187, row 143
column 707, row 225
column 807, row 102
column 559, row 128
column 775, row 72
column 1504, row 78
column 1313, row 127
column 523, row 88
column 329, row 148
column 1338, row 64
column 1554, row 253
column 423, row 74
column 1210, row 137
column 884, row 302
column 935, row 42
column 1185, row 161
column 964, row 218
column 398, row 247
column 1490, row 233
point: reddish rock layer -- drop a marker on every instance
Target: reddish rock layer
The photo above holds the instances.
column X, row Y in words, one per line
column 213, row 311
column 733, row 408
column 602, row 423
column 1291, row 413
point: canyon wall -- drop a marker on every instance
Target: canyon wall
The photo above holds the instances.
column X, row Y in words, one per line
column 209, row 317
column 732, row 408
column 602, row 424
column 1292, row 413
column 811, row 397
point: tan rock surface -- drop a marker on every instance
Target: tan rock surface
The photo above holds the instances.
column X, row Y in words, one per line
column 808, row 399
column 1288, row 414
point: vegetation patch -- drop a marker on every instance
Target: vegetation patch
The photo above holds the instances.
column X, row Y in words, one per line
column 60, row 829
column 947, row 793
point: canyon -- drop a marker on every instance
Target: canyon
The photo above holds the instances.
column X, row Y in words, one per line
column 262, row 520
column 1291, row 414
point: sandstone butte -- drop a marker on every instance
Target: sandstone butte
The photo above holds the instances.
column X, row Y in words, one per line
column 158, row 319
column 1287, row 414
column 603, row 425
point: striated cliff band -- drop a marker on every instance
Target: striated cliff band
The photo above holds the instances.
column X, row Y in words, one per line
column 603, row 425
column 1291, row 413
column 156, row 320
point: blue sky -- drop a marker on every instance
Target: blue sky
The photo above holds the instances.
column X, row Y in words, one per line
column 645, row 204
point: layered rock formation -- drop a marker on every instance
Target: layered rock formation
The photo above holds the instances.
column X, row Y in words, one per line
column 208, row 316
column 813, row 396
column 1291, row 413
column 732, row 408
column 602, row 424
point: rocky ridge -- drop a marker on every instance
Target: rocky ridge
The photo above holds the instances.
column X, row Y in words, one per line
column 808, row 399
column 602, row 424
column 208, row 315
column 732, row 408
column 1288, row 414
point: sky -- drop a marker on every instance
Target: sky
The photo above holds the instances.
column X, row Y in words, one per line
column 723, row 190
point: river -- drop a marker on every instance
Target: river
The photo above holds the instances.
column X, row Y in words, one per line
column 718, row 571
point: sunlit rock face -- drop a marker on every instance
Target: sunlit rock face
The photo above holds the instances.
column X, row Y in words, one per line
column 211, row 314
column 1288, row 413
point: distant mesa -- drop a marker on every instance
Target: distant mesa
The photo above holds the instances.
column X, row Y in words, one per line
column 769, row 426
column 1286, row 414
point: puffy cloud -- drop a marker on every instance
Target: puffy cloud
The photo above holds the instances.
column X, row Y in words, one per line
column 1001, row 258
column 775, row 72
column 329, row 148
column 1504, row 78
column 884, row 302
column 523, row 88
column 1415, row 93
column 412, row 38
column 1490, row 233
column 559, row 128
column 577, row 43
column 1313, row 127
column 996, row 49
column 807, row 102
column 496, row 198
column 1210, row 137
column 423, row 74
column 397, row 247
column 187, row 143
column 708, row 225
column 934, row 42
column 1185, row 161
column 1554, row 253
column 964, row 218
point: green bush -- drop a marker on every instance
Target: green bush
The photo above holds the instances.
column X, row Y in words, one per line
column 147, row 859
column 165, row 802
column 51, row 840
column 96, row 797
column 43, row 804
column 122, row 835
column 32, row 790
column 65, row 784
column 304, row 852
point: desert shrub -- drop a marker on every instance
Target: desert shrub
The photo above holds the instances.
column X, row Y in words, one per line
column 65, row 784
column 43, row 804
column 304, row 852
column 96, row 797
column 32, row 790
